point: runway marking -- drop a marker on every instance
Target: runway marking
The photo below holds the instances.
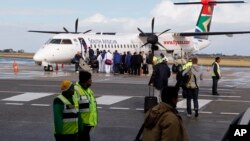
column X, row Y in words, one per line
column 234, row 101
column 139, row 109
column 109, row 99
column 43, row 105
column 18, row 104
column 228, row 113
column 27, row 96
column 183, row 103
column 119, row 108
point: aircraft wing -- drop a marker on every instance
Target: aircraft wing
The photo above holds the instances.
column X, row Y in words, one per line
column 51, row 32
column 211, row 33
column 59, row 32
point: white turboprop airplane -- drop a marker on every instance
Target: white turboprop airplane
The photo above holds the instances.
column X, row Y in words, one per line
column 63, row 46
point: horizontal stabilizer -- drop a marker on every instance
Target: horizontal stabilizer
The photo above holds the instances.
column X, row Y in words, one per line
column 208, row 2
column 211, row 33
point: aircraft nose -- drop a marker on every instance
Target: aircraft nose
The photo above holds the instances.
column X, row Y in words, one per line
column 38, row 57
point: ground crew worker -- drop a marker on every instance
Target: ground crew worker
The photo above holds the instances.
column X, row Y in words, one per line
column 187, row 65
column 216, row 75
column 87, row 105
column 65, row 114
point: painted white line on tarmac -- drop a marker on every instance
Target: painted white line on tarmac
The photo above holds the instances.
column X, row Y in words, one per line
column 109, row 99
column 228, row 113
column 183, row 103
column 139, row 109
column 43, row 105
column 27, row 96
column 11, row 92
column 220, row 96
column 205, row 112
column 32, row 85
column 119, row 108
column 243, row 101
column 18, row 104
column 99, row 107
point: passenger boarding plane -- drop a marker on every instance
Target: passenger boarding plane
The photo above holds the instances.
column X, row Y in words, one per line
column 63, row 46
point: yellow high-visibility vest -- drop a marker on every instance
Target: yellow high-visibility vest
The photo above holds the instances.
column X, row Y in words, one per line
column 218, row 69
column 87, row 105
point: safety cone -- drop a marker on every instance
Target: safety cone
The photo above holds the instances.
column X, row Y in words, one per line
column 15, row 67
column 56, row 67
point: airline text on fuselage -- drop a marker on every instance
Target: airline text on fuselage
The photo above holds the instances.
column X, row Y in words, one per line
column 102, row 41
column 174, row 42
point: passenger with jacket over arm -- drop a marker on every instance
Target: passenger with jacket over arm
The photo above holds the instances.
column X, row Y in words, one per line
column 159, row 77
column 195, row 75
column 163, row 122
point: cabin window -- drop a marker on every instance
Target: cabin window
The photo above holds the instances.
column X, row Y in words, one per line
column 55, row 41
column 66, row 41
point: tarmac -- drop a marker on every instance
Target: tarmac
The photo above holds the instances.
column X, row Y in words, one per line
column 26, row 103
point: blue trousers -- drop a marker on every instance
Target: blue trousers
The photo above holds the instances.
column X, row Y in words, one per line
column 192, row 94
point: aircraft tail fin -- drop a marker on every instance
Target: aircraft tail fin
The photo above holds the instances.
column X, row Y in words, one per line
column 205, row 18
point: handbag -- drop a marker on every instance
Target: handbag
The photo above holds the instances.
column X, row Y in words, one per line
column 108, row 62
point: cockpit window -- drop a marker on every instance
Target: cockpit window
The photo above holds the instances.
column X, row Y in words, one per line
column 66, row 41
column 60, row 41
column 55, row 41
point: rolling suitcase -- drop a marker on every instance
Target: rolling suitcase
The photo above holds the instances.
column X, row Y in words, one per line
column 150, row 101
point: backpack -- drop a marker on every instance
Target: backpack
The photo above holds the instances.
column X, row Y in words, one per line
column 191, row 80
column 182, row 80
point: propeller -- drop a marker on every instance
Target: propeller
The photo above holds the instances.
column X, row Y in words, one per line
column 152, row 38
column 65, row 30
column 76, row 29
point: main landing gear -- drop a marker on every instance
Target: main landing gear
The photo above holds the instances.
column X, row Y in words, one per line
column 48, row 68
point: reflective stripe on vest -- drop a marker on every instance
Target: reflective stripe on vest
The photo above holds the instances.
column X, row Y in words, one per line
column 87, row 105
column 70, row 118
column 218, row 69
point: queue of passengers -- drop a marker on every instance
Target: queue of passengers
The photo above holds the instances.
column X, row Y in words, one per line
column 118, row 63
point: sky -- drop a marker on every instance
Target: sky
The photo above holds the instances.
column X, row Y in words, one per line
column 19, row 16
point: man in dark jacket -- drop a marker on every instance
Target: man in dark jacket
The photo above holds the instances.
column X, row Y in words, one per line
column 159, row 78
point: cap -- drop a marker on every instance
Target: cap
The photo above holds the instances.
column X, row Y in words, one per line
column 65, row 85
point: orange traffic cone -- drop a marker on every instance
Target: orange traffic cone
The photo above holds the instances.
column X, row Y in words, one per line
column 15, row 67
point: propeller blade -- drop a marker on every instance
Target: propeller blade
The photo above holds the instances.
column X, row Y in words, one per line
column 87, row 31
column 161, row 45
column 65, row 30
column 76, row 25
column 144, row 44
column 141, row 31
column 153, row 22
column 164, row 32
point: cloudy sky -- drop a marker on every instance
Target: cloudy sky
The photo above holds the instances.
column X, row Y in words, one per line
column 19, row 16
